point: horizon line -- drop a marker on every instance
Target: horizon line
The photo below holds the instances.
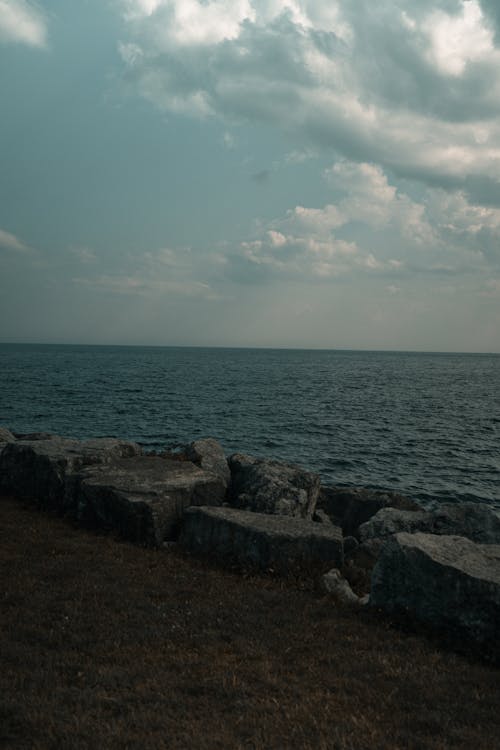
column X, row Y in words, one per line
column 251, row 348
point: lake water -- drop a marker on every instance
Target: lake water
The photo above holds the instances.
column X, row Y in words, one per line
column 426, row 425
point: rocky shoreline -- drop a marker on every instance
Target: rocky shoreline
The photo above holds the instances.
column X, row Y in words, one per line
column 379, row 549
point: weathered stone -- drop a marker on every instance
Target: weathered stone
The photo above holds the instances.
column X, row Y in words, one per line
column 6, row 436
column 475, row 521
column 389, row 521
column 41, row 469
column 208, row 454
column 260, row 540
column 267, row 486
column 34, row 436
column 334, row 583
column 446, row 581
column 350, row 544
column 350, row 507
column 321, row 517
column 144, row 497
column 360, row 561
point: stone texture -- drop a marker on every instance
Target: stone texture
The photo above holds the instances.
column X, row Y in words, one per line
column 349, row 507
column 209, row 455
column 335, row 584
column 475, row 521
column 144, row 497
column 392, row 521
column 267, row 486
column 260, row 540
column 6, row 436
column 448, row 582
column 42, row 469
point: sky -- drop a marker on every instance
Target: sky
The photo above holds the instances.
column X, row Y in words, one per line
column 277, row 173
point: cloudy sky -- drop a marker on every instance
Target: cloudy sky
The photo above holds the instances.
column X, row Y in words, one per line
column 297, row 173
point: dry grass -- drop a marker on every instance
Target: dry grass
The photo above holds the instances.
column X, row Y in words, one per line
column 106, row 645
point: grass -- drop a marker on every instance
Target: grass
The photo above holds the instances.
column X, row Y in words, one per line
column 107, row 645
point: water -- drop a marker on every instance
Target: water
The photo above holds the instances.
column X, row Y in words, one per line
column 426, row 425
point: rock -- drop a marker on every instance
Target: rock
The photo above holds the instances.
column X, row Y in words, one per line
column 360, row 561
column 475, row 521
column 34, row 436
column 350, row 544
column 448, row 582
column 42, row 469
column 321, row 517
column 6, row 436
column 350, row 507
column 392, row 521
column 209, row 455
column 260, row 540
column 267, row 486
column 334, row 583
column 144, row 497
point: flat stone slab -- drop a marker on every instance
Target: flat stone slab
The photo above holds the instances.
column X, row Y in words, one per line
column 143, row 498
column 448, row 582
column 260, row 540
column 40, row 469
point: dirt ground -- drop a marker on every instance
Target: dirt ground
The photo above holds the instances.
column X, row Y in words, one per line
column 107, row 645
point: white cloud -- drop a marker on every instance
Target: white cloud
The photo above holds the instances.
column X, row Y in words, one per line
column 307, row 67
column 459, row 39
column 441, row 234
column 23, row 22
column 9, row 241
column 83, row 254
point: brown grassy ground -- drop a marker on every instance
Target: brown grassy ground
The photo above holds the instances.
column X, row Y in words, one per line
column 106, row 645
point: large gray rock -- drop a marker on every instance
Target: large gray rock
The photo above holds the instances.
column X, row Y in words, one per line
column 446, row 581
column 42, row 469
column 267, row 486
column 143, row 497
column 260, row 540
column 6, row 437
column 349, row 507
column 475, row 521
column 209, row 455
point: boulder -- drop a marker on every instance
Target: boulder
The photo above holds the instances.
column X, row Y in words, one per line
column 260, row 540
column 447, row 582
column 392, row 521
column 209, row 455
column 268, row 486
column 42, row 469
column 350, row 507
column 143, row 497
column 474, row 521
column 334, row 583
column 6, row 437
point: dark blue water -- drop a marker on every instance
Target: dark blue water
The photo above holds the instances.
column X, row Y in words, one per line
column 426, row 425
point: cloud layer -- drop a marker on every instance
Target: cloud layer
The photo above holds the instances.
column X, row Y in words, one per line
column 413, row 87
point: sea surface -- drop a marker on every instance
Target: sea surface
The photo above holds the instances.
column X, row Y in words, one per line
column 425, row 425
